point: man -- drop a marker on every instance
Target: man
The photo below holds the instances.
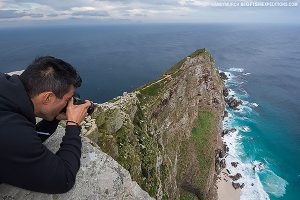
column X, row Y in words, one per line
column 43, row 90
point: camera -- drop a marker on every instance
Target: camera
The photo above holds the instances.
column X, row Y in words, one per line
column 77, row 101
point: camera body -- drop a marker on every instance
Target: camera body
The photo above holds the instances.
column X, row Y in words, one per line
column 77, row 101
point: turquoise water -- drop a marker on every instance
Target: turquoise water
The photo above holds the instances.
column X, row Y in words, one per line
column 265, row 60
column 248, row 144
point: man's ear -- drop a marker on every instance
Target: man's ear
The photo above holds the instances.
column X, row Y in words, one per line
column 47, row 97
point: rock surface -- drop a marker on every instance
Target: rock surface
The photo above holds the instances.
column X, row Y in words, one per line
column 223, row 76
column 15, row 72
column 234, row 164
column 225, row 92
column 233, row 102
column 99, row 177
column 236, row 185
column 236, row 177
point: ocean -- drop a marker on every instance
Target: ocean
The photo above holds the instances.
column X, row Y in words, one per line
column 262, row 61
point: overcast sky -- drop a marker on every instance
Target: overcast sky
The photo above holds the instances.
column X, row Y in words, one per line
column 173, row 11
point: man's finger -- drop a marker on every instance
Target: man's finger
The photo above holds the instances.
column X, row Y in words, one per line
column 88, row 103
column 70, row 102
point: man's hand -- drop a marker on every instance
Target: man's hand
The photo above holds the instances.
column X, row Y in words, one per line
column 77, row 113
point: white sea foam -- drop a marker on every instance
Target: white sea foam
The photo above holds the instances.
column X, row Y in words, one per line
column 253, row 188
column 273, row 183
column 230, row 76
column 260, row 182
column 246, row 129
column 249, row 177
column 231, row 92
column 246, row 74
column 233, row 69
column 254, row 105
column 258, row 166
column 244, row 109
column 244, row 93
column 245, row 102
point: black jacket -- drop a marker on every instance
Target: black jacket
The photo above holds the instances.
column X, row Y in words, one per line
column 24, row 161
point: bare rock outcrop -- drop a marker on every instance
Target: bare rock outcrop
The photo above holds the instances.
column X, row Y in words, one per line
column 99, row 177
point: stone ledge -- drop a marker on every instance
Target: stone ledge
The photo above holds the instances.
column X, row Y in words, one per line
column 99, row 177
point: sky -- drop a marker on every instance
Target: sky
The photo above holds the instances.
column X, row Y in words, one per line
column 20, row 12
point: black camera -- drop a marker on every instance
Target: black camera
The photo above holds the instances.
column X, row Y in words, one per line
column 78, row 101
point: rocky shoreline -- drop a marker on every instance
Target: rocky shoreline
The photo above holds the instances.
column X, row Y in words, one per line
column 226, row 184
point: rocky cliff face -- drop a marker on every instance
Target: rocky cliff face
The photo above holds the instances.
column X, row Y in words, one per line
column 165, row 133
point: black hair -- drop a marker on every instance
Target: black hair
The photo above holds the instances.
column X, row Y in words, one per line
column 49, row 74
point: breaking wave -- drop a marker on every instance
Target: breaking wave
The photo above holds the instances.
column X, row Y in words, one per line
column 259, row 179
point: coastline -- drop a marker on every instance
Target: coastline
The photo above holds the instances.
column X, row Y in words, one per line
column 224, row 182
column 237, row 178
column 225, row 189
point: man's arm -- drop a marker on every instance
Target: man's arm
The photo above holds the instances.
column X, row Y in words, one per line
column 28, row 164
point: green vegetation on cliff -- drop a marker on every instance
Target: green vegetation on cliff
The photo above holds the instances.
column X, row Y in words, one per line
column 132, row 146
column 203, row 135
column 202, row 143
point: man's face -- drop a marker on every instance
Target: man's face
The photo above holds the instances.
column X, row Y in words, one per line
column 55, row 105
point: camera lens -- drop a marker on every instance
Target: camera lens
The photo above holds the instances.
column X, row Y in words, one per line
column 91, row 108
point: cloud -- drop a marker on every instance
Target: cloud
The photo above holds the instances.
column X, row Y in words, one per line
column 9, row 14
column 54, row 4
column 93, row 13
column 52, row 15
column 141, row 10
column 35, row 15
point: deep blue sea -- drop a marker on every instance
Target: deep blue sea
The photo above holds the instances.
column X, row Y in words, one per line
column 263, row 62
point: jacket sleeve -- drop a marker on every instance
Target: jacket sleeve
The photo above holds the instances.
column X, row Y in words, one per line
column 28, row 164
column 46, row 127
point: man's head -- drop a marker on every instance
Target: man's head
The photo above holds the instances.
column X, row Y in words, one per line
column 50, row 83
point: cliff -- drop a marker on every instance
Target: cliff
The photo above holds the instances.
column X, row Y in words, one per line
column 164, row 134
